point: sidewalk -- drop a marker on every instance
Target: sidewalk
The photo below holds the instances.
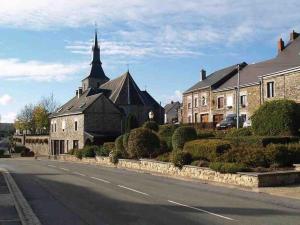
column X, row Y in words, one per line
column 292, row 191
column 8, row 212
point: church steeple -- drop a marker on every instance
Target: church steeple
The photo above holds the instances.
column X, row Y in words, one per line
column 97, row 76
column 96, row 51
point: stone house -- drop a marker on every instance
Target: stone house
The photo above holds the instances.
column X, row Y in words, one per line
column 98, row 111
column 171, row 112
column 277, row 78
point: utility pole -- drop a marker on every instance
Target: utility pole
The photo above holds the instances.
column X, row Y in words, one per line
column 238, row 99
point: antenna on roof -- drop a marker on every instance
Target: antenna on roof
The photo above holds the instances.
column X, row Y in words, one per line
column 127, row 67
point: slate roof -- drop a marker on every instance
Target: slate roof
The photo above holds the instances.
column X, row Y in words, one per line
column 215, row 78
column 125, row 91
column 172, row 105
column 286, row 59
column 78, row 105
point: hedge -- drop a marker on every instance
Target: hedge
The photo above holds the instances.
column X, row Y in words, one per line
column 281, row 155
column 152, row 125
column 241, row 132
column 209, row 149
column 165, row 133
column 180, row 158
column 228, row 167
column 89, row 151
column 182, row 135
column 277, row 117
column 142, row 143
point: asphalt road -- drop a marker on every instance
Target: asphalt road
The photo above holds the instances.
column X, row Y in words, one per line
column 63, row 193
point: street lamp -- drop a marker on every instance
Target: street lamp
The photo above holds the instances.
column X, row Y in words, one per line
column 151, row 115
column 238, row 98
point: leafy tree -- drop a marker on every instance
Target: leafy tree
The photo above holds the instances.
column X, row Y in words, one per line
column 24, row 120
column 41, row 118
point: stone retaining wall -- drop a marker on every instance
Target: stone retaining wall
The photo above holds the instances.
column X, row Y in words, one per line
column 39, row 144
column 249, row 180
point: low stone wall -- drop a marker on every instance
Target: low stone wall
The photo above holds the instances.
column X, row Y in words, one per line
column 250, row 180
column 297, row 167
column 39, row 144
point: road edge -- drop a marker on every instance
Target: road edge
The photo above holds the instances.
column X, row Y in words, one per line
column 26, row 214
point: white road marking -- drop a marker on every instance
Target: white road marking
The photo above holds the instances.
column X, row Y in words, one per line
column 52, row 166
column 130, row 189
column 80, row 174
column 96, row 178
column 201, row 210
column 64, row 169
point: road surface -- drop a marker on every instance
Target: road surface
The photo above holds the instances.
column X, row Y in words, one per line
column 63, row 193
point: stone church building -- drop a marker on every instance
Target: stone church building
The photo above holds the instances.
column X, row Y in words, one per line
column 99, row 109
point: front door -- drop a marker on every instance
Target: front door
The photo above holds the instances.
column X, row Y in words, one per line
column 61, row 147
column 204, row 118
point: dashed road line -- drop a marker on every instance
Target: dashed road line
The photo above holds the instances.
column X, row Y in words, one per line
column 80, row 174
column 52, row 166
column 201, row 210
column 130, row 189
column 96, row 178
column 64, row 169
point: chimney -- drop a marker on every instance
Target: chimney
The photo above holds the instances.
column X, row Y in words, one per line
column 203, row 74
column 293, row 35
column 172, row 102
column 76, row 93
column 280, row 45
column 79, row 92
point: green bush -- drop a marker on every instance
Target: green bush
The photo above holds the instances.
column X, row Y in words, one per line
column 78, row 153
column 241, row 132
column 115, row 156
column 152, row 125
column 125, row 140
column 167, row 130
column 119, row 144
column 164, row 157
column 1, row 153
column 19, row 148
column 249, row 156
column 131, row 123
column 180, row 158
column 142, row 143
column 108, row 146
column 228, row 167
column 277, row 117
column 200, row 163
column 280, row 154
column 71, row 151
column 102, row 151
column 27, row 153
column 208, row 149
column 89, row 151
column 202, row 134
column 182, row 135
column 295, row 148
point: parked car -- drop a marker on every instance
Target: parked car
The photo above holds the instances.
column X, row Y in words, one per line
column 247, row 123
column 229, row 122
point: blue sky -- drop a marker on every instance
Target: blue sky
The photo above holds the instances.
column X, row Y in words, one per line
column 46, row 48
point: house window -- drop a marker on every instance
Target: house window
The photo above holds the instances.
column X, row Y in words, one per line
column 229, row 101
column 189, row 105
column 196, row 102
column 203, row 101
column 76, row 125
column 75, row 144
column 220, row 102
column 243, row 100
column 54, row 127
column 270, row 89
column 63, row 125
column 196, row 118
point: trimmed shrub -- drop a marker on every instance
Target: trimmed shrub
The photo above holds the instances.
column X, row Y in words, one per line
column 89, row 151
column 241, row 132
column 277, row 117
column 115, row 156
column 71, row 151
column 249, row 156
column 142, row 143
column 109, row 146
column 295, row 148
column 167, row 130
column 101, row 151
column 27, row 153
column 182, row 135
column 209, row 149
column 119, row 144
column 1, row 153
column 228, row 167
column 78, row 153
column 131, row 123
column 280, row 154
column 164, row 157
column 200, row 163
column 125, row 140
column 19, row 148
column 180, row 158
column 152, row 125
column 202, row 134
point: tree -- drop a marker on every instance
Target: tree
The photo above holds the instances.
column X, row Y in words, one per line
column 41, row 118
column 24, row 120
column 49, row 103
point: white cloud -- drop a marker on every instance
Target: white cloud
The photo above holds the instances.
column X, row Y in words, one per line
column 8, row 117
column 15, row 69
column 5, row 99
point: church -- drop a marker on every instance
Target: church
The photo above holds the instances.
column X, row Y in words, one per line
column 99, row 109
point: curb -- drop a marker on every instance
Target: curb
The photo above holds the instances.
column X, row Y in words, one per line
column 24, row 210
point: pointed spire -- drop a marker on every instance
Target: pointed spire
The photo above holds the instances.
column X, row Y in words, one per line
column 96, row 51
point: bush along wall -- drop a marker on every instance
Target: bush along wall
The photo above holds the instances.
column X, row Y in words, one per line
column 277, row 117
column 182, row 135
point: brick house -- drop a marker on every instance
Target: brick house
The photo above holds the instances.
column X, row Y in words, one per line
column 98, row 111
column 171, row 112
column 277, row 78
